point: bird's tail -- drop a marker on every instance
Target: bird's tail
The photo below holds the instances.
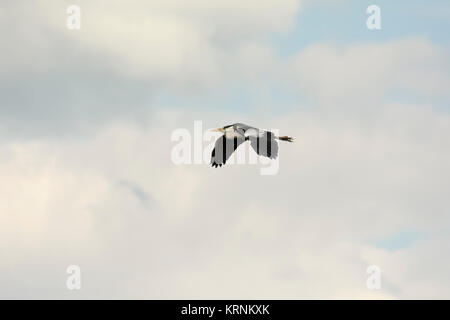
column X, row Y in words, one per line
column 286, row 138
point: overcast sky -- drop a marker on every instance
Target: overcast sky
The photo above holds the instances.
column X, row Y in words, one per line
column 86, row 175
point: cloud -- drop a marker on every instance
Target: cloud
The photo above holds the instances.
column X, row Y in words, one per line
column 125, row 57
column 335, row 75
column 107, row 197
column 304, row 233
column 164, row 40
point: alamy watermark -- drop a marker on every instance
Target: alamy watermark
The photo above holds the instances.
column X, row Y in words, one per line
column 73, row 281
column 373, row 281
column 374, row 20
column 74, row 18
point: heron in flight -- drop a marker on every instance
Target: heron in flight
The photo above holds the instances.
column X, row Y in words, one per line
column 263, row 142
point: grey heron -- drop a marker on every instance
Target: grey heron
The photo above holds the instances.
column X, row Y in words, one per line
column 263, row 142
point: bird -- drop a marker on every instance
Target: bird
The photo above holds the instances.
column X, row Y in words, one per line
column 263, row 142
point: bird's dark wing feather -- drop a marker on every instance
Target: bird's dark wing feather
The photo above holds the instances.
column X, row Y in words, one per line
column 223, row 149
column 265, row 144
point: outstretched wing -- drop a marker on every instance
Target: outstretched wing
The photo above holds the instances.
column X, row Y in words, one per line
column 264, row 144
column 223, row 149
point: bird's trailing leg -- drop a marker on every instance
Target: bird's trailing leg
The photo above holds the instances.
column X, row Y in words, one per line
column 285, row 138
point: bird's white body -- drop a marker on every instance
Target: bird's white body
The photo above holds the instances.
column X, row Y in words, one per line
column 231, row 133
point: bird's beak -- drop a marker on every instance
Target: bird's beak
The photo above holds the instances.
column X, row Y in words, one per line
column 217, row 130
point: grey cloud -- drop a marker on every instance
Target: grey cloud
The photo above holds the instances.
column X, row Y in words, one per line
column 143, row 196
column 86, row 187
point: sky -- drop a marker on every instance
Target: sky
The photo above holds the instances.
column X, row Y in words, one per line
column 87, row 178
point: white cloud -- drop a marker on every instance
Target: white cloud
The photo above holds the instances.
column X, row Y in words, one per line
column 364, row 72
column 362, row 168
column 303, row 233
column 175, row 41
